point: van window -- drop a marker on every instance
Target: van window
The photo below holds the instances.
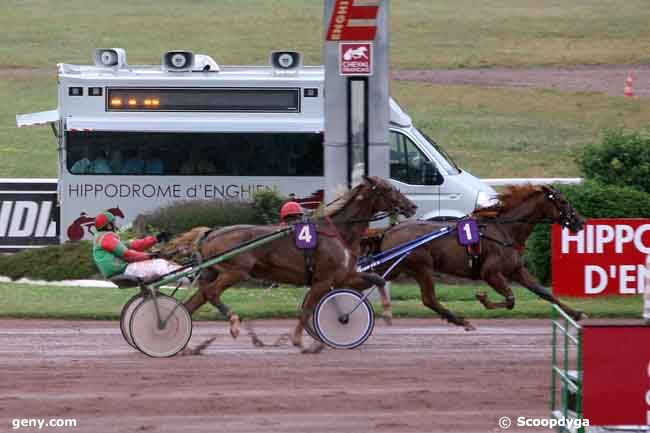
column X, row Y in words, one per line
column 443, row 159
column 192, row 154
column 407, row 163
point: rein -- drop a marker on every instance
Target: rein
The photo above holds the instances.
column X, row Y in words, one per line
column 380, row 216
column 336, row 234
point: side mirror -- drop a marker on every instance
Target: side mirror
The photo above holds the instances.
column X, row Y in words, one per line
column 431, row 174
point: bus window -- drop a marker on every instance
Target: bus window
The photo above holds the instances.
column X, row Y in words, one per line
column 195, row 154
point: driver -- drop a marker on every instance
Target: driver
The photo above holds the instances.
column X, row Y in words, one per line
column 115, row 257
column 291, row 213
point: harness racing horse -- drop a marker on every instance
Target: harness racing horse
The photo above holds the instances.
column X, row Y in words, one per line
column 333, row 260
column 505, row 227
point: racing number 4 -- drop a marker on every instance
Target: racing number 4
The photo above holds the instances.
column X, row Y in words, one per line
column 305, row 234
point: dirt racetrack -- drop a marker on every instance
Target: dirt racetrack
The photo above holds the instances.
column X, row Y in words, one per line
column 609, row 79
column 416, row 376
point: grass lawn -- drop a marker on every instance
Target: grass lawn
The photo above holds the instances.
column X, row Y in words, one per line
column 534, row 132
column 424, row 33
column 26, row 301
column 502, row 132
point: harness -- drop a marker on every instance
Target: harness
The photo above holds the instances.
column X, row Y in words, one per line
column 474, row 251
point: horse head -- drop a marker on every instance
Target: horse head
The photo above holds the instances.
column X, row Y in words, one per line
column 560, row 211
column 386, row 198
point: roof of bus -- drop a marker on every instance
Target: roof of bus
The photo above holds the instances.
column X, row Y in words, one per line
column 155, row 72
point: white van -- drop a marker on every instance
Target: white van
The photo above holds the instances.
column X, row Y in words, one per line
column 135, row 138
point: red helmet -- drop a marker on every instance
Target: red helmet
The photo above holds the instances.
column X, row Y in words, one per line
column 104, row 219
column 290, row 208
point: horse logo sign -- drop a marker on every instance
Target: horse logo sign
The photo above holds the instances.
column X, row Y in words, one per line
column 355, row 58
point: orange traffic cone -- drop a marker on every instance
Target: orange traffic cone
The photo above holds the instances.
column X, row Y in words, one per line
column 628, row 90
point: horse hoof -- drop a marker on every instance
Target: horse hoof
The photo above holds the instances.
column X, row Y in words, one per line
column 297, row 342
column 198, row 350
column 314, row 348
column 234, row 326
column 469, row 327
column 388, row 318
column 581, row 316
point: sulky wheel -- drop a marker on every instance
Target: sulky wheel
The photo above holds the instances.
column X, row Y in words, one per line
column 161, row 340
column 125, row 317
column 343, row 319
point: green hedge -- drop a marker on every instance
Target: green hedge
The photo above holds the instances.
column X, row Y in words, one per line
column 622, row 158
column 185, row 215
column 593, row 200
column 70, row 261
column 73, row 260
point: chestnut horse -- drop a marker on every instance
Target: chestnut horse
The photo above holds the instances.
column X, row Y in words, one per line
column 334, row 260
column 505, row 227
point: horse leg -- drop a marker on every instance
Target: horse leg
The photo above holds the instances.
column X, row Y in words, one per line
column 213, row 291
column 524, row 277
column 314, row 295
column 424, row 278
column 365, row 280
column 197, row 300
column 498, row 283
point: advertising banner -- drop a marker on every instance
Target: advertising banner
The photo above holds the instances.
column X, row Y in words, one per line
column 616, row 362
column 29, row 214
column 606, row 258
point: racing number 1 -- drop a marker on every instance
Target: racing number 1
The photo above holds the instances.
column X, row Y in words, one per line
column 468, row 232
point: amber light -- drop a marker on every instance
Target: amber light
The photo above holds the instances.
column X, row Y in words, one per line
column 116, row 102
column 155, row 102
column 147, row 102
column 133, row 102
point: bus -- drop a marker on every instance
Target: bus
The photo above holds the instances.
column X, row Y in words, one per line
column 134, row 138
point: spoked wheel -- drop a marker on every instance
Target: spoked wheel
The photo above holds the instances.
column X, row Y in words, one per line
column 343, row 319
column 309, row 326
column 167, row 337
column 125, row 317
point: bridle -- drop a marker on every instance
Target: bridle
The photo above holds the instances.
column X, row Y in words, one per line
column 564, row 219
column 380, row 215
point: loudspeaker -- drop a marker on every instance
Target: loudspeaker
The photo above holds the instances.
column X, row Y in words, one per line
column 178, row 61
column 110, row 57
column 286, row 60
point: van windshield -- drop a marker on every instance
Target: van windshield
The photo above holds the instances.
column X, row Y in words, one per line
column 442, row 157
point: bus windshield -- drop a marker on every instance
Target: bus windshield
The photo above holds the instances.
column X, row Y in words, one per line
column 192, row 154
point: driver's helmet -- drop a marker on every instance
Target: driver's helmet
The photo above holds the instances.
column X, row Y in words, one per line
column 291, row 209
column 104, row 219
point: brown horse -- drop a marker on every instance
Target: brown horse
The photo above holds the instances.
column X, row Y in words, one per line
column 333, row 261
column 505, row 228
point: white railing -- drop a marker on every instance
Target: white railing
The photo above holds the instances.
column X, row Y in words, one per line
column 490, row 181
column 532, row 180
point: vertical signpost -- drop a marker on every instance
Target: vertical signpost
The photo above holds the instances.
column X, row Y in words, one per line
column 356, row 92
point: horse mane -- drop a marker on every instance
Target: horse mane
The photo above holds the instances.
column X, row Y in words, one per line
column 510, row 199
column 339, row 203
column 183, row 245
